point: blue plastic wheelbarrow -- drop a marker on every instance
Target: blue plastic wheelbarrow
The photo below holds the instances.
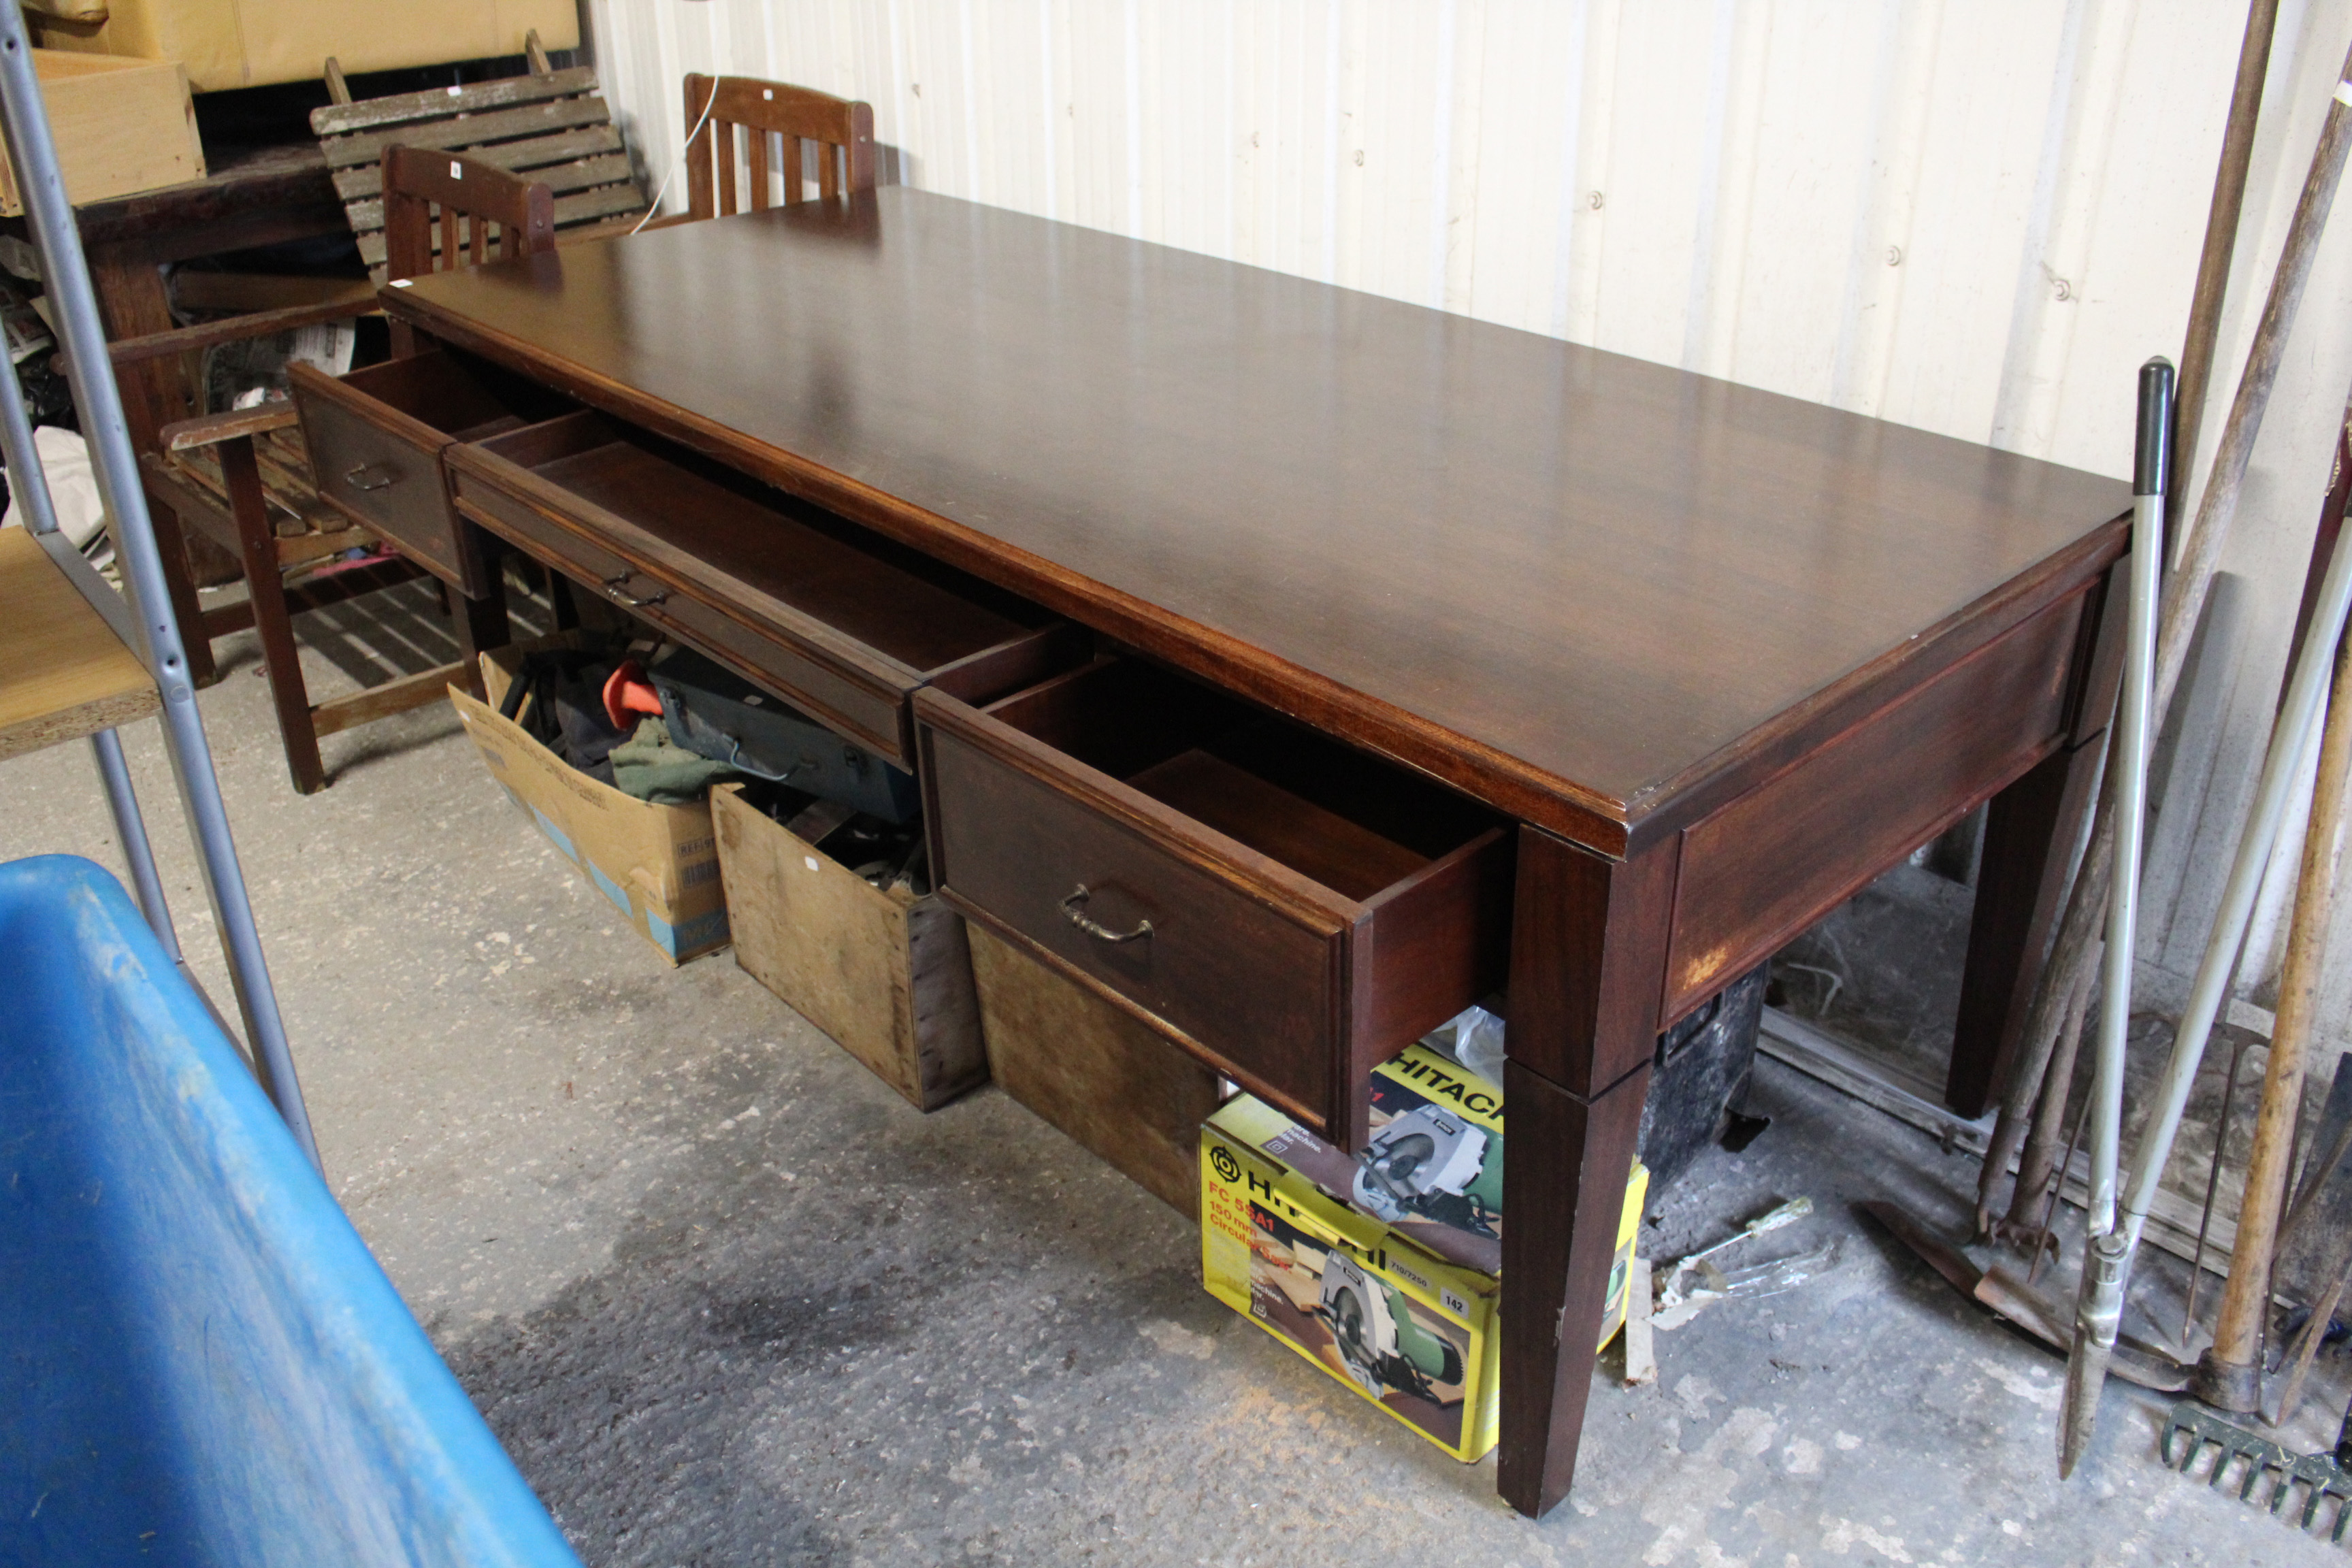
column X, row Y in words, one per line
column 199, row 1360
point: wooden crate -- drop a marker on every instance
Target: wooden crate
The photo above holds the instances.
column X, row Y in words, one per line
column 252, row 43
column 1113, row 1084
column 121, row 125
column 887, row 975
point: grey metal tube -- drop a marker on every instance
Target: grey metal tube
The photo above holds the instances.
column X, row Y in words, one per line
column 2294, row 733
column 30, row 483
column 2099, row 1300
column 27, row 481
column 33, row 155
column 130, row 828
column 2127, row 763
column 2129, row 759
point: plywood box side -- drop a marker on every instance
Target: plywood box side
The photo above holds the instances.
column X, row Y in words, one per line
column 626, row 848
column 887, row 976
column 1110, row 1083
column 121, row 126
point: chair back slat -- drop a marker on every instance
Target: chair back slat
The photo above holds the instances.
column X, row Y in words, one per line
column 724, row 131
column 828, row 181
column 462, row 197
column 840, row 129
column 758, row 137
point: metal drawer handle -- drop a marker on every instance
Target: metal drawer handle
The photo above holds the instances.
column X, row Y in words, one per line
column 353, row 479
column 1074, row 907
column 615, row 589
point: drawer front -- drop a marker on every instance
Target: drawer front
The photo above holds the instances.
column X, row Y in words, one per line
column 1254, row 991
column 874, row 716
column 388, row 481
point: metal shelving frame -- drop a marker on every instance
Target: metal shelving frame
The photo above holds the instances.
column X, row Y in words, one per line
column 145, row 620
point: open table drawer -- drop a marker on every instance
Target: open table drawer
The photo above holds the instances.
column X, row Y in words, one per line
column 1291, row 911
column 826, row 615
column 377, row 436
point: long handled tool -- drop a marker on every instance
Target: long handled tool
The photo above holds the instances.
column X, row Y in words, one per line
column 2023, row 1306
column 2184, row 602
column 2042, row 1171
column 2099, row 1310
column 2212, row 1190
column 2230, row 1371
column 2291, row 735
column 2190, row 1428
column 2057, row 1077
column 2297, row 1365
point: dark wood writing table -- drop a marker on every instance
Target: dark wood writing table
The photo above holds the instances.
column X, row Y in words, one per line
column 1721, row 655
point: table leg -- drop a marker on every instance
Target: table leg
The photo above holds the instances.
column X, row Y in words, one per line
column 560, row 600
column 1588, row 973
column 2030, row 832
column 479, row 624
column 272, row 619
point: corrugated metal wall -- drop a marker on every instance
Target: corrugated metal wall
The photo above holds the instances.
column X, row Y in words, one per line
column 1976, row 217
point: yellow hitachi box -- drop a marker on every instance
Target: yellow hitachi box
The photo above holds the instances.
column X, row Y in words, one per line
column 1395, row 1313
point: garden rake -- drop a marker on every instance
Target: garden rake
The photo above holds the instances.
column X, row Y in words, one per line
column 2319, row 1475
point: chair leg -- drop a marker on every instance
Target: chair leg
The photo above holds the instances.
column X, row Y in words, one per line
column 242, row 477
column 172, row 544
column 479, row 625
column 559, row 599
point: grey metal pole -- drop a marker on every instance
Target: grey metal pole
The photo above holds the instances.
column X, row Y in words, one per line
column 31, row 489
column 2294, row 733
column 132, row 829
column 33, row 155
column 2099, row 1309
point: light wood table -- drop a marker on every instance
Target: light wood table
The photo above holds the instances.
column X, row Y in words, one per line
column 63, row 672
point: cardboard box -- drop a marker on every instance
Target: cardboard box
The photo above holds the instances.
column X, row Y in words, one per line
column 887, row 975
column 1408, row 1329
column 121, row 126
column 246, row 43
column 658, row 864
column 1108, row 1080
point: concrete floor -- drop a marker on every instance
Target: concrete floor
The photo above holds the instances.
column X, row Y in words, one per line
column 726, row 1299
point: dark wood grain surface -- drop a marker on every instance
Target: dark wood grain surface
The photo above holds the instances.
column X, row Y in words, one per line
column 1549, row 573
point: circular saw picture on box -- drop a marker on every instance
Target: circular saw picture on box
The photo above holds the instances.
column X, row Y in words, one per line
column 1359, row 1326
column 1433, row 1164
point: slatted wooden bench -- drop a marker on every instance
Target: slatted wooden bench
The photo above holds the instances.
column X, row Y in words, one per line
column 552, row 125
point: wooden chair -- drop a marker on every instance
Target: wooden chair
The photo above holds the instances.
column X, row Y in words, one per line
column 469, row 197
column 243, row 478
column 840, row 129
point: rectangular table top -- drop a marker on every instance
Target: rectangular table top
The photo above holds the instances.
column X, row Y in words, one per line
column 1538, row 569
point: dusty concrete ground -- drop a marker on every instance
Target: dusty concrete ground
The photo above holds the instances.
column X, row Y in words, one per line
column 726, row 1299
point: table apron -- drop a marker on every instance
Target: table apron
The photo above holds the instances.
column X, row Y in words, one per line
column 1762, row 868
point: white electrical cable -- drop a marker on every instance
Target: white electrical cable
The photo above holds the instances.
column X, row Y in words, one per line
column 683, row 153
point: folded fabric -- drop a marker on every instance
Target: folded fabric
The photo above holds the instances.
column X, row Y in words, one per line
column 557, row 695
column 650, row 767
